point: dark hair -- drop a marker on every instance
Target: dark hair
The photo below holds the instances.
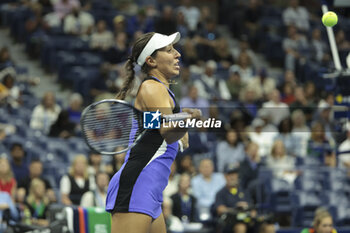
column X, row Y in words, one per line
column 129, row 65
column 16, row 144
column 35, row 160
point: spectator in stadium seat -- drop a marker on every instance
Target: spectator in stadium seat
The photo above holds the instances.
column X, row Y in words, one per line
column 97, row 197
column 325, row 115
column 285, row 134
column 244, row 66
column 322, row 223
column 262, row 84
column 342, row 42
column 181, row 88
column 249, row 101
column 139, row 22
column 205, row 13
column 252, row 17
column 319, row 146
column 276, row 108
column 206, row 184
column 202, row 141
column 263, row 139
column 191, row 13
column 46, row 113
column 234, row 84
column 166, row 23
column 249, row 168
column 295, row 47
column 75, row 108
column 74, row 184
column 206, row 40
column 282, row 164
column 38, row 203
column 173, row 183
column 287, row 95
column 181, row 25
column 296, row 15
column 186, row 165
column 222, row 53
column 190, row 55
column 102, row 38
column 210, row 86
column 119, row 50
column 119, row 24
column 302, row 103
column 62, row 127
column 35, row 172
column 184, row 203
column 19, row 163
column 78, row 22
column 8, row 183
column 289, row 77
column 13, row 92
column 311, row 93
column 5, row 58
column 230, row 151
column 192, row 100
column 301, row 131
column 319, row 48
column 64, row 7
column 244, row 46
column 231, row 197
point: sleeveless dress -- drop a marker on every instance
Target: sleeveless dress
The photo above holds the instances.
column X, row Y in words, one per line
column 138, row 185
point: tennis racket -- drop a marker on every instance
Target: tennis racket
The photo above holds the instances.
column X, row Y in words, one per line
column 113, row 126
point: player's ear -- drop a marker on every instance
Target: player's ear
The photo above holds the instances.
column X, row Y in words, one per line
column 151, row 62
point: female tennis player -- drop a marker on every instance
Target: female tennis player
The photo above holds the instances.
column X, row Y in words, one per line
column 135, row 192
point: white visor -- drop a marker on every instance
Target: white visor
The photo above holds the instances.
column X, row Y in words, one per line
column 156, row 42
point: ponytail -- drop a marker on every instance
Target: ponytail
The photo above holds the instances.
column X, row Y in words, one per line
column 129, row 65
column 130, row 75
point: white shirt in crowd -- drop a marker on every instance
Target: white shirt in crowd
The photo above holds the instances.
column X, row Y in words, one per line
column 211, row 83
column 42, row 118
column 102, row 40
column 296, row 16
column 65, row 185
column 191, row 15
column 93, row 199
column 78, row 25
column 264, row 141
column 277, row 111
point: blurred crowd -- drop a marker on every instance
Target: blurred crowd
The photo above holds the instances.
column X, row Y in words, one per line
column 271, row 122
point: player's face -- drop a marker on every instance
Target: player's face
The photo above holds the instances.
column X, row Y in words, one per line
column 168, row 61
column 325, row 226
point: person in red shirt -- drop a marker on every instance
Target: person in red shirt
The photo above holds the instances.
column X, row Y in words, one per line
column 7, row 181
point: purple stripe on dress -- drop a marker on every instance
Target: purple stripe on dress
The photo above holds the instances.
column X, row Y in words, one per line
column 134, row 128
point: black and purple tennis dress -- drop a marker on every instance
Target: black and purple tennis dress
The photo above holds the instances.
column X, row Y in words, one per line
column 138, row 185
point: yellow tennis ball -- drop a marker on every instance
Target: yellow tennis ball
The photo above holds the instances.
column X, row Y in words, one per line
column 329, row 19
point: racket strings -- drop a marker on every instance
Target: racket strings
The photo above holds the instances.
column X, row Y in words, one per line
column 111, row 127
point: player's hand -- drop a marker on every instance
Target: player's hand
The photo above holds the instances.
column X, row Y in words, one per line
column 184, row 141
column 195, row 113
